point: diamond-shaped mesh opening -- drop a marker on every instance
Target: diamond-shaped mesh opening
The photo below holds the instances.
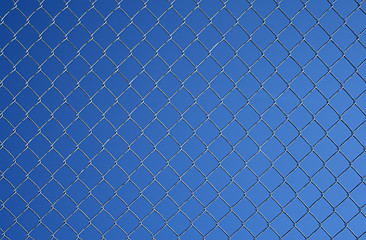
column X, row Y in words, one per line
column 182, row 119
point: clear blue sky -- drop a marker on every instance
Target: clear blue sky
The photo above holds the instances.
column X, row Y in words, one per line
column 182, row 119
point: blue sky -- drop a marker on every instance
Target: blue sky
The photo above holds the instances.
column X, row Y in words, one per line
column 182, row 119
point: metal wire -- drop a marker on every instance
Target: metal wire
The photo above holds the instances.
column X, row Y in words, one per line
column 182, row 119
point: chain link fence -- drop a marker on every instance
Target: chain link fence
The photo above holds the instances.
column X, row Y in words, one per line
column 182, row 119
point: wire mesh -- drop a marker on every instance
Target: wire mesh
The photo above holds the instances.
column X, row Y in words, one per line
column 182, row 119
